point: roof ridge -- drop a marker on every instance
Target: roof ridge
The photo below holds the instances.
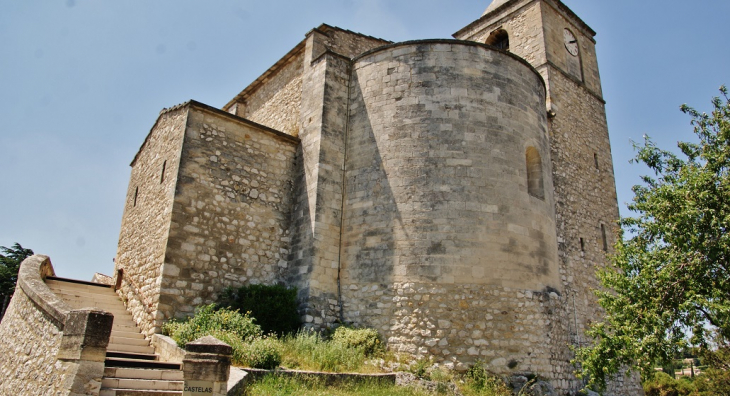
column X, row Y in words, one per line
column 326, row 26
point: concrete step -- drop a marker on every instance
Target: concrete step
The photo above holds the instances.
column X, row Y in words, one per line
column 125, row 325
column 127, row 334
column 128, row 341
column 70, row 294
column 105, row 290
column 136, row 392
column 138, row 363
column 130, row 348
column 75, row 302
column 140, row 373
column 136, row 383
column 117, row 310
column 76, row 297
column 118, row 313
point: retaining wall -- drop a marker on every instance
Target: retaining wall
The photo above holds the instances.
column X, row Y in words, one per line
column 47, row 348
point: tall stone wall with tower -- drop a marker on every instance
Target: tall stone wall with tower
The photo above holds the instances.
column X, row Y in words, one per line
column 456, row 195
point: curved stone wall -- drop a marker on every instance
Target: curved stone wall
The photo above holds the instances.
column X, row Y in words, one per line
column 437, row 177
column 448, row 249
column 47, row 347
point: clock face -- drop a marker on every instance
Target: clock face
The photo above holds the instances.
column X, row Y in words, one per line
column 571, row 43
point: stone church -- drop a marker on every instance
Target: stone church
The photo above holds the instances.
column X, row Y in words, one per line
column 457, row 195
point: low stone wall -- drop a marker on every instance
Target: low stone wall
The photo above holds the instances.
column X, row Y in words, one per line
column 166, row 348
column 46, row 347
column 168, row 351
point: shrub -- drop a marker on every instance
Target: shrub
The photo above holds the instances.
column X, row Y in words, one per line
column 218, row 323
column 262, row 353
column 274, row 307
column 367, row 340
column 420, row 367
column 478, row 381
column 308, row 350
column 338, row 357
column 661, row 384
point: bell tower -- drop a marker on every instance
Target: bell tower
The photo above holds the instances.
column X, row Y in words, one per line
column 561, row 47
column 546, row 33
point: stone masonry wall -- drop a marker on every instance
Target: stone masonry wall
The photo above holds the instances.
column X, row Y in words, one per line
column 585, row 193
column 555, row 22
column 523, row 24
column 28, row 365
column 316, row 218
column 276, row 103
column 230, row 219
column 513, row 331
column 350, row 44
column 585, row 196
column 46, row 348
column 437, row 174
column 446, row 252
column 147, row 215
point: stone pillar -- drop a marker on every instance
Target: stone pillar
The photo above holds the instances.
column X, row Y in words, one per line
column 83, row 345
column 206, row 367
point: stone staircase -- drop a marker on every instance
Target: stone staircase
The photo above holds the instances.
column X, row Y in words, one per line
column 131, row 367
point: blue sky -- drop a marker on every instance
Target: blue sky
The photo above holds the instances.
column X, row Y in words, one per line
column 82, row 82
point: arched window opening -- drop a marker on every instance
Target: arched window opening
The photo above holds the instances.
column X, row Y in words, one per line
column 500, row 39
column 534, row 173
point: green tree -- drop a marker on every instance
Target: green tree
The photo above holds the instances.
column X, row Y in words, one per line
column 668, row 280
column 9, row 265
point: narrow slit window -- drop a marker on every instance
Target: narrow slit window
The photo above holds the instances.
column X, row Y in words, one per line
column 603, row 237
column 534, row 173
column 136, row 192
column 582, row 245
column 595, row 159
column 162, row 176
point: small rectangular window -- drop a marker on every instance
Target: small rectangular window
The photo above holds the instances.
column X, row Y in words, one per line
column 603, row 236
column 162, row 177
column 595, row 159
column 582, row 245
column 136, row 192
